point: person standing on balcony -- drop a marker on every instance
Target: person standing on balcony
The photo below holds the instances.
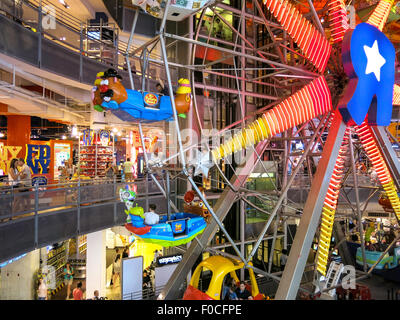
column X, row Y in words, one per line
column 69, row 166
column 110, row 171
column 117, row 268
column 25, row 174
column 42, row 290
column 14, row 176
column 68, row 278
column 128, row 170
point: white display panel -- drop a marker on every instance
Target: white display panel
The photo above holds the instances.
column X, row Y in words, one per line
column 162, row 275
column 132, row 278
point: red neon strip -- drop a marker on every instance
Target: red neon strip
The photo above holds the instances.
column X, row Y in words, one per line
column 338, row 22
column 315, row 47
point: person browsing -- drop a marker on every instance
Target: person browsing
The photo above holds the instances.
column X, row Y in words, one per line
column 25, row 173
column 128, row 169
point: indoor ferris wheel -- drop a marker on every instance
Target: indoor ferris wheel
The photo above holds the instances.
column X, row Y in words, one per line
column 336, row 79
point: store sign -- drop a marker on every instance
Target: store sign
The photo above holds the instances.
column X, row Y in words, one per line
column 162, row 261
column 87, row 137
column 369, row 61
column 150, row 99
column 39, row 180
column 104, row 136
column 38, row 158
column 7, row 153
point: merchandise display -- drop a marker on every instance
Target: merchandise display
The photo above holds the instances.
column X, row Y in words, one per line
column 95, row 156
column 200, row 150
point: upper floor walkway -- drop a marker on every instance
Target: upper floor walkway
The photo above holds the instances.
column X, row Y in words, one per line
column 40, row 216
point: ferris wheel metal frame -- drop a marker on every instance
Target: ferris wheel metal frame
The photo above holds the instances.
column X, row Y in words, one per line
column 289, row 283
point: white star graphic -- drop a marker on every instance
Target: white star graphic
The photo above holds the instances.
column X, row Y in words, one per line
column 202, row 162
column 375, row 60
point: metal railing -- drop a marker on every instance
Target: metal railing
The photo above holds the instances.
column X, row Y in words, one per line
column 18, row 201
column 70, row 36
column 34, row 217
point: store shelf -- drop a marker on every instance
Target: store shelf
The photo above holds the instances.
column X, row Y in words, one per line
column 95, row 157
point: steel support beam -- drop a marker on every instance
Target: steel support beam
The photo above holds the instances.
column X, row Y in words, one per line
column 359, row 214
column 300, row 249
column 221, row 209
column 389, row 154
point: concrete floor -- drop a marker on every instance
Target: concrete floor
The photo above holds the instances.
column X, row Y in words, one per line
column 380, row 286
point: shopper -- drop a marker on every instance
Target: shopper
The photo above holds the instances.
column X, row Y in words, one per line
column 242, row 293
column 120, row 171
column 110, row 171
column 151, row 217
column 78, row 293
column 25, row 173
column 42, row 290
column 116, row 268
column 146, row 284
column 69, row 166
column 155, row 257
column 96, row 295
column 128, row 170
column 14, row 176
column 68, row 278
column 125, row 253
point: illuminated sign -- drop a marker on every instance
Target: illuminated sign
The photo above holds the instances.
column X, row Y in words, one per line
column 104, row 136
column 368, row 59
column 6, row 155
column 150, row 99
column 38, row 158
column 162, row 261
column 87, row 137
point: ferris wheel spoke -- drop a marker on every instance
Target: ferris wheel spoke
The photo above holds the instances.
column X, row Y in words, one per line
column 338, row 21
column 370, row 145
column 329, row 208
column 312, row 100
column 314, row 45
column 380, row 14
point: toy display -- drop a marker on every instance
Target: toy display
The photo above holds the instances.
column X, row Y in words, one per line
column 126, row 104
column 183, row 97
column 179, row 228
column 195, row 207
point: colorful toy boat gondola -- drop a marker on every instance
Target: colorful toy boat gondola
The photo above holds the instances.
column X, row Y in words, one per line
column 141, row 106
column 389, row 261
column 179, row 229
column 126, row 104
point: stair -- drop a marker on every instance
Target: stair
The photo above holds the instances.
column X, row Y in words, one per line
column 333, row 276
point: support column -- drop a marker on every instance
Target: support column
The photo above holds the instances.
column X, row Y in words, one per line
column 96, row 263
column 300, row 249
column 19, row 132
